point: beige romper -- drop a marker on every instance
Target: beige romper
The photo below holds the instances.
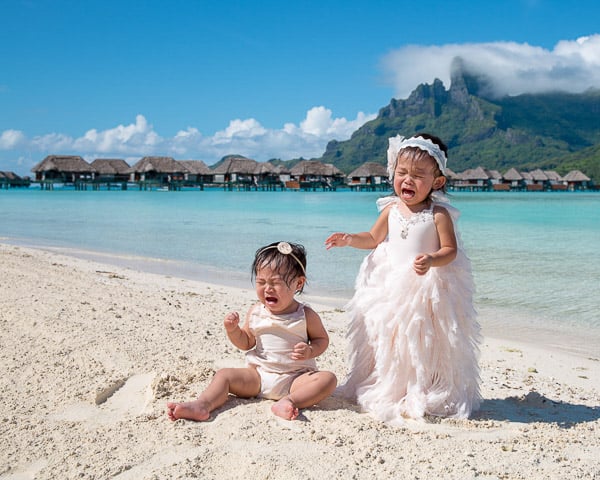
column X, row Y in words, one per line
column 276, row 336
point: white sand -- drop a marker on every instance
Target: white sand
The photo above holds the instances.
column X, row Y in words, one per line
column 90, row 354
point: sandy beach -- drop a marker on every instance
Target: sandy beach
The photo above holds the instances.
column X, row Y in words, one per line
column 91, row 353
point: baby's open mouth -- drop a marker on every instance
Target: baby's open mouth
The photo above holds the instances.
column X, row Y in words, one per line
column 408, row 193
column 271, row 300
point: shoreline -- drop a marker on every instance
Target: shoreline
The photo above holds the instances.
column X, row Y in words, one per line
column 92, row 352
column 115, row 186
column 492, row 320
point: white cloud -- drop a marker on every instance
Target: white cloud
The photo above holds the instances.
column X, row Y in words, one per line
column 11, row 139
column 248, row 128
column 245, row 137
column 513, row 68
column 136, row 137
column 320, row 122
column 317, row 122
column 307, row 140
column 56, row 143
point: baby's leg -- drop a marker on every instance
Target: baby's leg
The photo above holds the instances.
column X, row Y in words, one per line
column 242, row 382
column 306, row 390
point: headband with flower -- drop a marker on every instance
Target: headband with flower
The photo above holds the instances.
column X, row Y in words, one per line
column 398, row 143
column 286, row 249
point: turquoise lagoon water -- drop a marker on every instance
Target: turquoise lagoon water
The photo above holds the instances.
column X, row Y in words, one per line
column 535, row 256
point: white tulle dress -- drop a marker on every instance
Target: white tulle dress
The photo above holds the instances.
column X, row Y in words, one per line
column 413, row 340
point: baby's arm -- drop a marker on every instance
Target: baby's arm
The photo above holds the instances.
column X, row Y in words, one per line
column 317, row 335
column 240, row 337
column 447, row 251
column 365, row 240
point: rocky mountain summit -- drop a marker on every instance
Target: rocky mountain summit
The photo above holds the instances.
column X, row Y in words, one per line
column 558, row 131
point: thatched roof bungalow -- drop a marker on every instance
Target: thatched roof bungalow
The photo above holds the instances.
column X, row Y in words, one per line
column 235, row 169
column 538, row 176
column 198, row 172
column 577, row 180
column 11, row 179
column 553, row 176
column 538, row 180
column 331, row 170
column 473, row 179
column 494, row 175
column 527, row 178
column 111, row 170
column 307, row 168
column 63, row 169
column 268, row 176
column 283, row 172
column 265, row 168
column 513, row 179
column 555, row 181
column 159, row 170
column 512, row 175
column 312, row 174
column 370, row 175
column 313, row 170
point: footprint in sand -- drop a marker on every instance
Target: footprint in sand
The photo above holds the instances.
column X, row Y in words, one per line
column 123, row 398
column 25, row 472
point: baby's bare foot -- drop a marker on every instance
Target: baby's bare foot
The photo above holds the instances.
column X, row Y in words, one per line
column 285, row 409
column 195, row 410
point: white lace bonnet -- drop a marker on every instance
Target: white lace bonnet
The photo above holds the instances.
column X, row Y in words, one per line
column 398, row 142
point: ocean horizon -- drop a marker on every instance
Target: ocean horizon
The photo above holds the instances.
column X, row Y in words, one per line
column 534, row 254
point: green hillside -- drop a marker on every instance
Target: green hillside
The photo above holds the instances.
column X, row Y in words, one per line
column 556, row 131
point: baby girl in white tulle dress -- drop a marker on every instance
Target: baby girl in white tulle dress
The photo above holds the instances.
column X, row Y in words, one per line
column 413, row 335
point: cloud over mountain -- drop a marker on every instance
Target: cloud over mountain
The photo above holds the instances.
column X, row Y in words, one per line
column 512, row 68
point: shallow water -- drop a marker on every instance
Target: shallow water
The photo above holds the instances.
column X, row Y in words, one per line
column 535, row 255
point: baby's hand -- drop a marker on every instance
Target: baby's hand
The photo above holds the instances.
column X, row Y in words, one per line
column 338, row 240
column 302, row 351
column 422, row 264
column 232, row 320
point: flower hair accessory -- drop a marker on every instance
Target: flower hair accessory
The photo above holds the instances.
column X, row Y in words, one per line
column 398, row 143
column 286, row 249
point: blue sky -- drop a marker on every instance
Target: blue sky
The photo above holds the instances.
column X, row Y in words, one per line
column 203, row 79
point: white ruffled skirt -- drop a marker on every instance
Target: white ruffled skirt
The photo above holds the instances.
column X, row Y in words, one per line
column 413, row 340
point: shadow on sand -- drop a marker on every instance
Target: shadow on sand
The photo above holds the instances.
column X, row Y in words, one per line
column 534, row 407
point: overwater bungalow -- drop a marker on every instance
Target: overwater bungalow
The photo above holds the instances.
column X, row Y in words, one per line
column 333, row 175
column 555, row 181
column 576, row 180
column 158, row 172
column 495, row 180
column 65, row 169
column 198, row 173
column 284, row 173
column 369, row 176
column 451, row 178
column 268, row 176
column 235, row 171
column 527, row 179
column 474, row 179
column 513, row 179
column 312, row 175
column 12, row 180
column 111, row 171
column 537, row 181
